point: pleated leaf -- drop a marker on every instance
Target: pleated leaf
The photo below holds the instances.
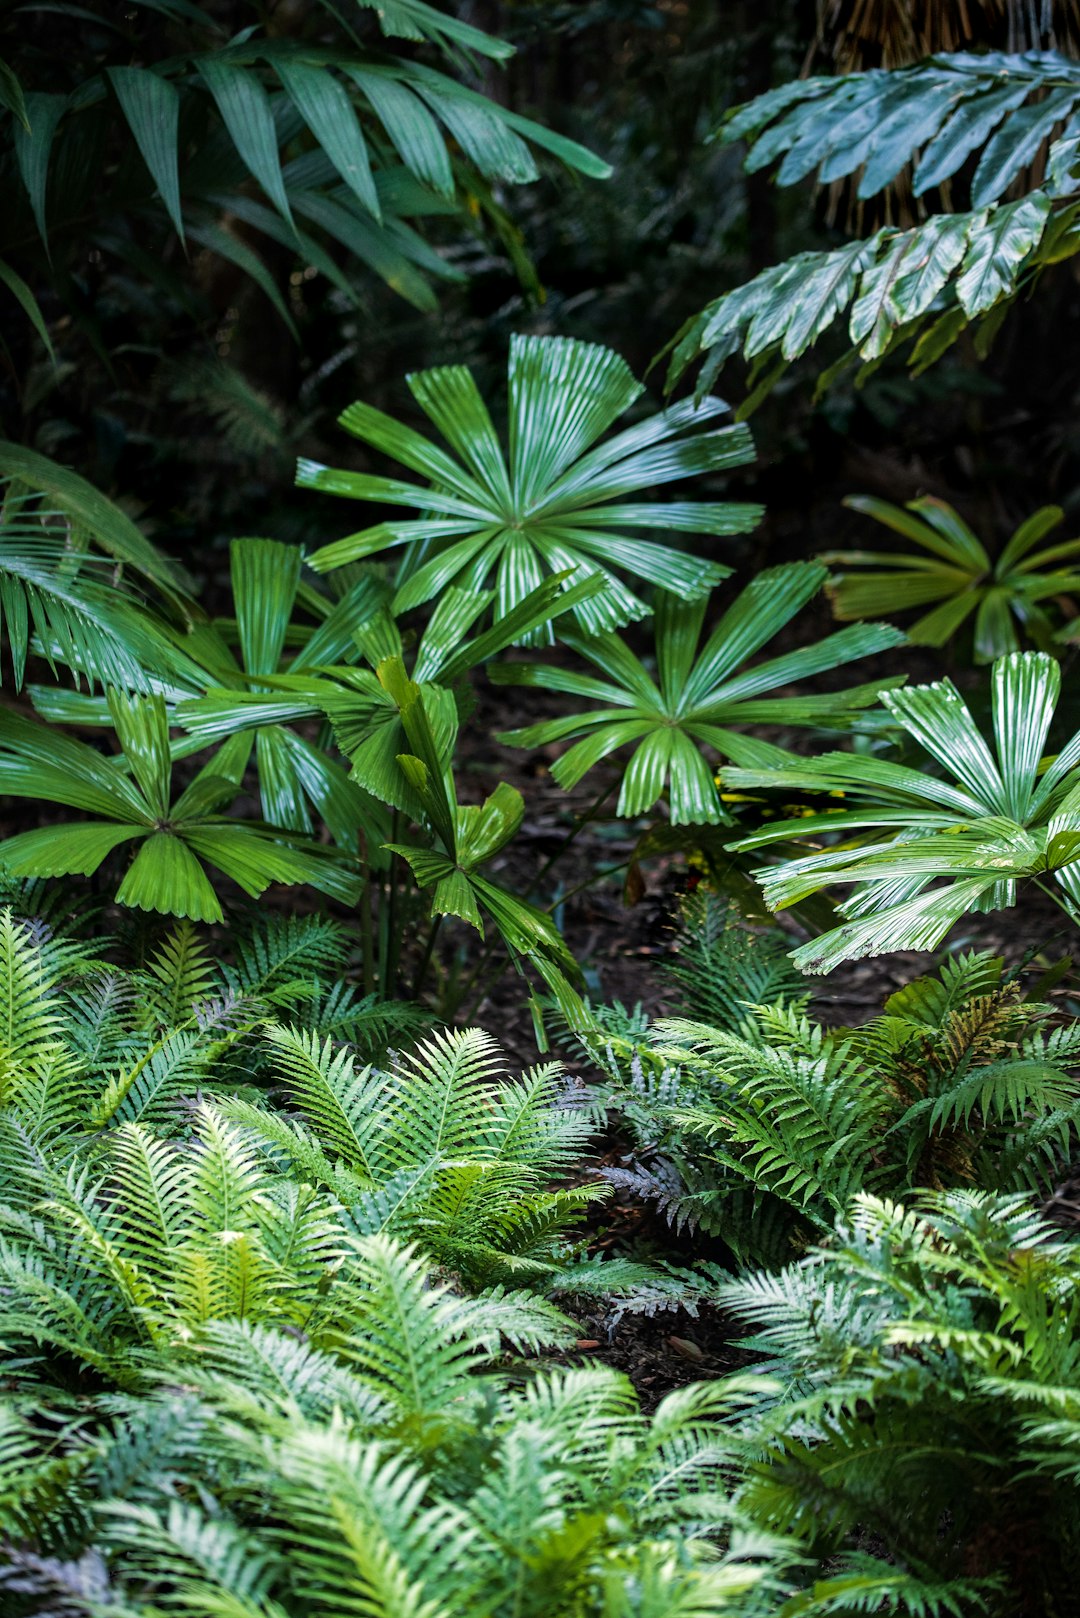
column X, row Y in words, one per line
column 938, row 850
column 678, row 724
column 547, row 500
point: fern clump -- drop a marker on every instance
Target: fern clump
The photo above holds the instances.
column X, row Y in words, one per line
column 392, row 1460
column 442, row 1147
column 764, row 1127
column 930, row 1361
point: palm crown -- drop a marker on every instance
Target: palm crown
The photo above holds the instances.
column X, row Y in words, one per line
column 946, row 844
column 554, row 499
column 697, row 695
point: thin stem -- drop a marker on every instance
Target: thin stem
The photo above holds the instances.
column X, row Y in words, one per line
column 571, row 836
column 597, row 876
column 421, row 971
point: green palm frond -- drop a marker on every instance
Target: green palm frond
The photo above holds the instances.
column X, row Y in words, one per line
column 66, row 603
column 134, row 804
column 943, row 844
column 954, row 575
column 551, row 499
column 928, row 283
column 323, row 141
column 679, row 722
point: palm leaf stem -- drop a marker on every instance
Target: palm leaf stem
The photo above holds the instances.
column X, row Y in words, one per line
column 571, row 836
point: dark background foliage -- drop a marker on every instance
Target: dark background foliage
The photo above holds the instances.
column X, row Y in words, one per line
column 187, row 398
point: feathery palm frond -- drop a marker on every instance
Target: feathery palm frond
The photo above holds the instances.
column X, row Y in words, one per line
column 929, row 282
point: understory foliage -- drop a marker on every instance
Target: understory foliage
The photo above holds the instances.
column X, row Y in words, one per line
column 288, row 1268
column 759, row 1124
column 931, row 1402
column 916, row 288
column 200, row 1194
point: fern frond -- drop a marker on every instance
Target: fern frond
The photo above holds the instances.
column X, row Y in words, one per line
column 182, row 973
column 30, row 1013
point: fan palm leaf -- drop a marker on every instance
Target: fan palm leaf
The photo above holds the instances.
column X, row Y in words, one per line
column 132, row 802
column 944, row 843
column 699, row 695
column 554, row 498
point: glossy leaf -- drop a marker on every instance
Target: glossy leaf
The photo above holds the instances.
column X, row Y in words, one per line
column 940, row 846
column 132, row 797
column 550, row 502
column 680, row 721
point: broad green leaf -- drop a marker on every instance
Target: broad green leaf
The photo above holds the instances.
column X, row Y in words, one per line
column 151, row 105
column 245, row 109
column 33, row 145
column 965, row 132
column 165, row 877
column 409, row 125
column 328, row 113
column 996, row 250
column 1013, row 147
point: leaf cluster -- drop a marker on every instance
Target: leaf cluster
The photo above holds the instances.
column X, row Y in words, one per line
column 926, row 284
column 761, row 1124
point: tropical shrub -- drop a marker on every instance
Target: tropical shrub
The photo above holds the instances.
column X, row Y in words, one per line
column 928, row 1356
column 953, row 571
column 215, row 1328
column 946, row 844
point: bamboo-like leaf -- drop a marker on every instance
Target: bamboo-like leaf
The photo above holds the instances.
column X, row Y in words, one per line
column 245, row 109
column 33, row 146
column 151, row 105
column 30, row 306
column 328, row 113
